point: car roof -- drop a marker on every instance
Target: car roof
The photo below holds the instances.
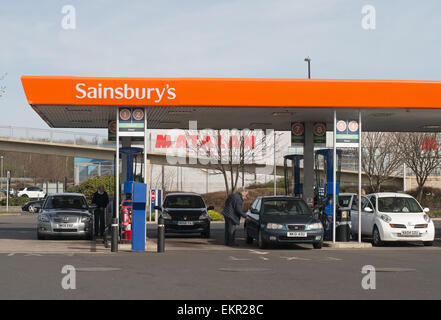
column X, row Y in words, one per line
column 347, row 194
column 66, row 194
column 390, row 194
column 280, row 197
column 183, row 194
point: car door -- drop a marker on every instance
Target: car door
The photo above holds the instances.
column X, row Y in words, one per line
column 254, row 218
column 354, row 215
column 367, row 216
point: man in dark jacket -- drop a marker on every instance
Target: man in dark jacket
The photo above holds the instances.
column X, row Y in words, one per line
column 101, row 199
column 232, row 212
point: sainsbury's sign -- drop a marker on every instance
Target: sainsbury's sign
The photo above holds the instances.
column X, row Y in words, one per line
column 124, row 91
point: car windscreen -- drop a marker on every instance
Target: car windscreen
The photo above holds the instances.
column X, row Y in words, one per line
column 344, row 201
column 285, row 207
column 398, row 205
column 184, row 202
column 66, row 202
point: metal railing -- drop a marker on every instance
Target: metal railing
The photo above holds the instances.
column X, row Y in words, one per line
column 54, row 136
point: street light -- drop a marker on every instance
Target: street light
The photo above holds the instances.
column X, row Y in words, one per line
column 1, row 158
column 308, row 59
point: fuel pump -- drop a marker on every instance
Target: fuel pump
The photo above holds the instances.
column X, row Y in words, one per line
column 324, row 189
column 297, row 187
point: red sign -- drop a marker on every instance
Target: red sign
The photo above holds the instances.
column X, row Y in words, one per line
column 124, row 114
column 341, row 125
column 298, row 129
column 353, row 126
column 112, row 126
column 138, row 114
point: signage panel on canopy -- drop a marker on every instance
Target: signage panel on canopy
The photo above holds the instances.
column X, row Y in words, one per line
column 297, row 133
column 347, row 134
column 319, row 133
column 131, row 122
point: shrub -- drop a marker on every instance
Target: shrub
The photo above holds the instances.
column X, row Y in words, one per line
column 15, row 201
column 90, row 186
column 215, row 216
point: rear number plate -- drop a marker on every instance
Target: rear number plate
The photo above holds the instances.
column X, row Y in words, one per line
column 185, row 223
column 65, row 225
column 297, row 234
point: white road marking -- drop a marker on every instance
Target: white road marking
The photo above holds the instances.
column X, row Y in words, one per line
column 11, row 254
column 295, row 258
column 258, row 252
column 32, row 255
column 238, row 259
column 264, row 258
column 333, row 259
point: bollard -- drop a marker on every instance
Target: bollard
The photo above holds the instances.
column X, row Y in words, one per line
column 114, row 246
column 161, row 234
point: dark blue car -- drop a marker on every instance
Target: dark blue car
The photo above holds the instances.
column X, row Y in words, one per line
column 282, row 219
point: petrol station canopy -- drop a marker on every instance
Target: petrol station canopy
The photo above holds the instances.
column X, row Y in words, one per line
column 226, row 103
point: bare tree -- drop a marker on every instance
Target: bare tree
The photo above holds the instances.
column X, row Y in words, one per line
column 381, row 157
column 227, row 152
column 421, row 154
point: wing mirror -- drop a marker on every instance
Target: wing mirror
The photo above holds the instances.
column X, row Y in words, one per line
column 159, row 208
column 368, row 209
column 426, row 210
column 210, row 208
column 254, row 211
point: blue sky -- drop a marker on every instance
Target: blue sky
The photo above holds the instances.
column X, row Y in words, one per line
column 230, row 38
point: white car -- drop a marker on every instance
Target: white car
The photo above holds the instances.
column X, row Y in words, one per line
column 392, row 217
column 31, row 192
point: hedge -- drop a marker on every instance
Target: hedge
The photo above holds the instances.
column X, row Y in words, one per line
column 90, row 186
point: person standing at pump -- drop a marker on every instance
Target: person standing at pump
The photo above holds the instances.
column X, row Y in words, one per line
column 232, row 212
column 101, row 200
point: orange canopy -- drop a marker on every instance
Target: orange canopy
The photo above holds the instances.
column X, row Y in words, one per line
column 214, row 92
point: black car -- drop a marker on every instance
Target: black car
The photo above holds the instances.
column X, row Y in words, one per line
column 186, row 213
column 282, row 219
column 32, row 206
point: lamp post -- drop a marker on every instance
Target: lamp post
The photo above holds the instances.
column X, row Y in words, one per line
column 308, row 59
column 1, row 159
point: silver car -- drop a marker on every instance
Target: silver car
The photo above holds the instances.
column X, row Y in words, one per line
column 65, row 214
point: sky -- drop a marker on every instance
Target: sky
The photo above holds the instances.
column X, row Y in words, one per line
column 208, row 38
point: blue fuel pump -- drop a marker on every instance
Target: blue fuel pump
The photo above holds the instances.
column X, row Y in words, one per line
column 297, row 187
column 324, row 187
column 130, row 153
column 137, row 193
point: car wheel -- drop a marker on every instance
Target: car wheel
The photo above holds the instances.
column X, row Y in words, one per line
column 428, row 243
column 249, row 239
column 206, row 234
column 376, row 238
column 24, row 196
column 317, row 245
column 261, row 242
column 31, row 209
column 40, row 236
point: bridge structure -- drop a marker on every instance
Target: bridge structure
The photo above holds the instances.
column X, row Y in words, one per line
column 96, row 146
